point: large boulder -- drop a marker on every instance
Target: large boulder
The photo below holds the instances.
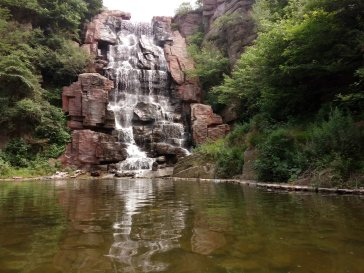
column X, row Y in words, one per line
column 168, row 149
column 206, row 125
column 179, row 62
column 86, row 100
column 146, row 112
column 101, row 29
column 194, row 166
column 89, row 148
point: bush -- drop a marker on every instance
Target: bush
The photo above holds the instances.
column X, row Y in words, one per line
column 5, row 167
column 306, row 54
column 184, row 8
column 227, row 153
column 17, row 152
column 41, row 166
column 211, row 149
column 210, row 67
column 280, row 157
column 230, row 162
column 337, row 143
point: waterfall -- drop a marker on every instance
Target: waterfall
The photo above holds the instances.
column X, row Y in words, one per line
column 141, row 100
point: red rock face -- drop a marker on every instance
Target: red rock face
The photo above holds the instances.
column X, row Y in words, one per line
column 89, row 148
column 189, row 23
column 86, row 102
column 236, row 36
column 179, row 63
column 206, row 125
column 97, row 30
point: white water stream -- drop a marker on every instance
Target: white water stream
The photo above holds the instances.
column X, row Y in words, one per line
column 139, row 69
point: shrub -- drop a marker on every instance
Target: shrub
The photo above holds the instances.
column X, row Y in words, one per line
column 184, row 8
column 4, row 167
column 41, row 166
column 227, row 153
column 211, row 149
column 337, row 143
column 230, row 162
column 280, row 157
column 17, row 152
column 210, row 67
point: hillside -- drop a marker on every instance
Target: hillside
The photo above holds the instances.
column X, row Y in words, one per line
column 295, row 96
column 39, row 54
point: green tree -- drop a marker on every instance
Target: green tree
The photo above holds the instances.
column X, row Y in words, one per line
column 184, row 8
column 305, row 58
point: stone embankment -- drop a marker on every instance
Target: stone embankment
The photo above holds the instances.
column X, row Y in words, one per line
column 280, row 186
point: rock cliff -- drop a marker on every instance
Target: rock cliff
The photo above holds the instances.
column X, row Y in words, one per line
column 139, row 82
column 228, row 23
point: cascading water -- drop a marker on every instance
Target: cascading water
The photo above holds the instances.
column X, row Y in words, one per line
column 141, row 99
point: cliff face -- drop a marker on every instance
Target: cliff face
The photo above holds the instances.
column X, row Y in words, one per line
column 228, row 23
column 136, row 98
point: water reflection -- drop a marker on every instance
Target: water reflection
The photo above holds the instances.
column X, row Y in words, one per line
column 145, row 228
column 174, row 227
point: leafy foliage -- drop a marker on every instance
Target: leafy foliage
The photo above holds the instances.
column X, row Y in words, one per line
column 337, row 139
column 210, row 64
column 184, row 8
column 38, row 55
column 306, row 54
column 226, row 153
column 280, row 157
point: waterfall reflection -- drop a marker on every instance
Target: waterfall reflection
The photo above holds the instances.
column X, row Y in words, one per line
column 145, row 228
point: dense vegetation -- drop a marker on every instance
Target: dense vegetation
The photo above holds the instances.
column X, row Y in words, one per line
column 298, row 91
column 39, row 53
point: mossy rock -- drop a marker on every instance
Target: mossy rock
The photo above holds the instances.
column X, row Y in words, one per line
column 195, row 166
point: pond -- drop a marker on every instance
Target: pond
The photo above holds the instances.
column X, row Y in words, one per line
column 165, row 226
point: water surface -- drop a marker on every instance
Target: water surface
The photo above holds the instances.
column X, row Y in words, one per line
column 164, row 226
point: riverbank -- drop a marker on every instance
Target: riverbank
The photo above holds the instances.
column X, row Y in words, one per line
column 250, row 183
column 280, row 186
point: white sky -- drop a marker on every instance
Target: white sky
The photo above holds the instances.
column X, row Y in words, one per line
column 144, row 10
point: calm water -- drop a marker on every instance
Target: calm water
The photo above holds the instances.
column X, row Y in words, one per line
column 163, row 226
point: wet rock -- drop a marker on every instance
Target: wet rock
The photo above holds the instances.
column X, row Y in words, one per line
column 101, row 30
column 121, row 174
column 147, row 112
column 194, row 166
column 95, row 173
column 168, row 149
column 154, row 166
column 89, row 148
column 112, row 168
column 160, row 173
column 161, row 159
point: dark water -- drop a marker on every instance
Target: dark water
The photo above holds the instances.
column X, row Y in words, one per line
column 164, row 226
